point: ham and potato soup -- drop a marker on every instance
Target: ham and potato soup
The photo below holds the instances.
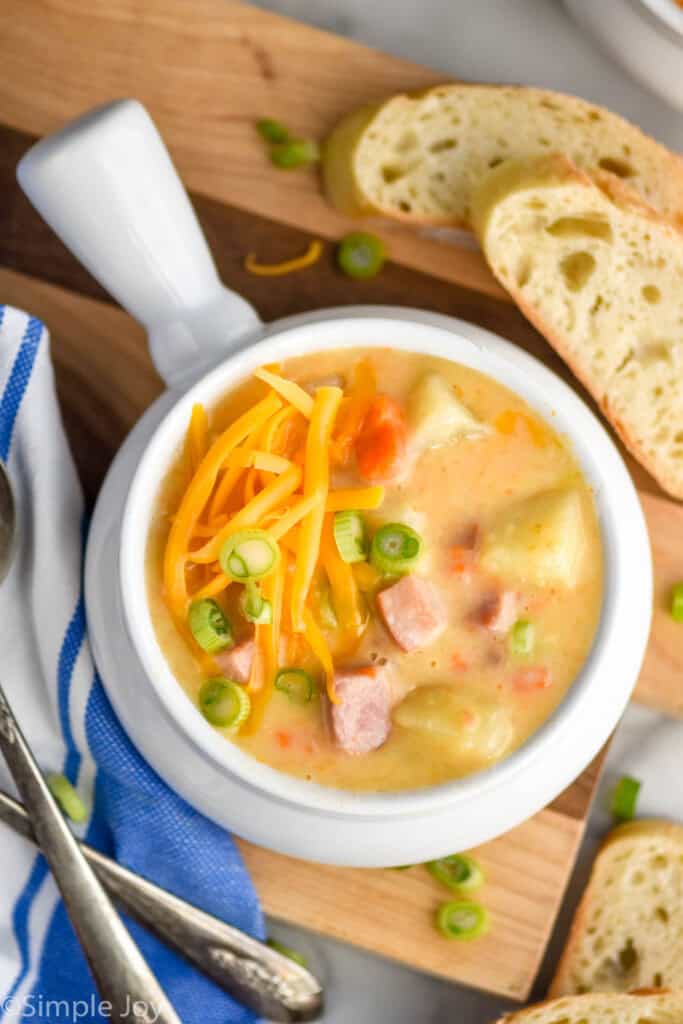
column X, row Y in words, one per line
column 374, row 569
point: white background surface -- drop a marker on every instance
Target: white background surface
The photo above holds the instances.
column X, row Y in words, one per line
column 535, row 42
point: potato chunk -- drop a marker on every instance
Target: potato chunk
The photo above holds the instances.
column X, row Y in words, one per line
column 436, row 416
column 540, row 540
column 467, row 722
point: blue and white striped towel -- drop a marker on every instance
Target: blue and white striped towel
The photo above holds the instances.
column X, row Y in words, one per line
column 48, row 672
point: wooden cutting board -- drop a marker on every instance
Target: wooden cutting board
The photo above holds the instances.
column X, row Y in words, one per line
column 206, row 70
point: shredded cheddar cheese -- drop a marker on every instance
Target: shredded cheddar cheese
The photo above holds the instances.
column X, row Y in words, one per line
column 361, row 499
column 251, row 514
column 317, row 643
column 291, row 392
column 197, row 436
column 311, row 256
column 197, row 495
column 316, row 484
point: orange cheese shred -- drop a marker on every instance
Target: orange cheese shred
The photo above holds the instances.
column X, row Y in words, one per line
column 274, row 494
column 197, row 495
column 316, row 641
column 316, row 484
column 311, row 256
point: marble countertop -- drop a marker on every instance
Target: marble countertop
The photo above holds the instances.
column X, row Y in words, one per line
column 535, row 42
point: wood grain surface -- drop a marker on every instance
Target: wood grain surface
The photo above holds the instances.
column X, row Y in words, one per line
column 206, row 70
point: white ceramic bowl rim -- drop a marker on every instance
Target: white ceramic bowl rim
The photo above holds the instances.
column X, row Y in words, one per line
column 625, row 609
column 665, row 15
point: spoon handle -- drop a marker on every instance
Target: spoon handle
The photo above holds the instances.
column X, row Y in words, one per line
column 123, row 978
column 261, row 978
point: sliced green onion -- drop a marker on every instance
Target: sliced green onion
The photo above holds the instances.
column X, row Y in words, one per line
column 295, row 153
column 296, row 683
column 254, row 606
column 458, row 872
column 677, row 602
column 224, row 702
column 361, row 254
column 291, row 954
column 463, row 920
column 395, row 549
column 350, row 536
column 209, row 626
column 272, row 131
column 522, row 637
column 625, row 798
column 249, row 554
column 67, row 797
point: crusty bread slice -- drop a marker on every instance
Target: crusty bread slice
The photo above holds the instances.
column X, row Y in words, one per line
column 634, row 1008
column 600, row 274
column 418, row 157
column 628, row 929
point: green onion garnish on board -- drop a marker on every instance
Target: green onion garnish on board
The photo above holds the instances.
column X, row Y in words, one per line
column 463, row 920
column 224, row 702
column 209, row 626
column 457, row 871
column 677, row 602
column 291, row 954
column 296, row 684
column 249, row 555
column 625, row 798
column 522, row 636
column 360, row 254
column 272, row 131
column 395, row 549
column 295, row 153
column 67, row 797
column 350, row 536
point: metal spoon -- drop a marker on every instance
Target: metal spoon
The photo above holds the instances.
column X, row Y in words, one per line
column 121, row 974
column 260, row 977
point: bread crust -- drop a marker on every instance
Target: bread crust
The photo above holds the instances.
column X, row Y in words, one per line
column 671, row 164
column 577, row 1002
column 650, row 827
column 560, row 168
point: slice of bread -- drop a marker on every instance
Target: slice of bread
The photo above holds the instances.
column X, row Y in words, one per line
column 635, row 1008
column 628, row 929
column 418, row 157
column 600, row 274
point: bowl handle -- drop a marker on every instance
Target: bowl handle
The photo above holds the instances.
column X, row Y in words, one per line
column 106, row 185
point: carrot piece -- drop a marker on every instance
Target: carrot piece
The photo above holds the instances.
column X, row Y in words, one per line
column 316, row 482
column 534, row 677
column 197, row 495
column 461, row 559
column 364, row 387
column 381, row 444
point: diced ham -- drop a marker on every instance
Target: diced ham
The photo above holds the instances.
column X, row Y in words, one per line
column 236, row 663
column 413, row 611
column 361, row 720
column 498, row 611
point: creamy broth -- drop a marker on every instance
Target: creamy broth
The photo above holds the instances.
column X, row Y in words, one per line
column 447, row 491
